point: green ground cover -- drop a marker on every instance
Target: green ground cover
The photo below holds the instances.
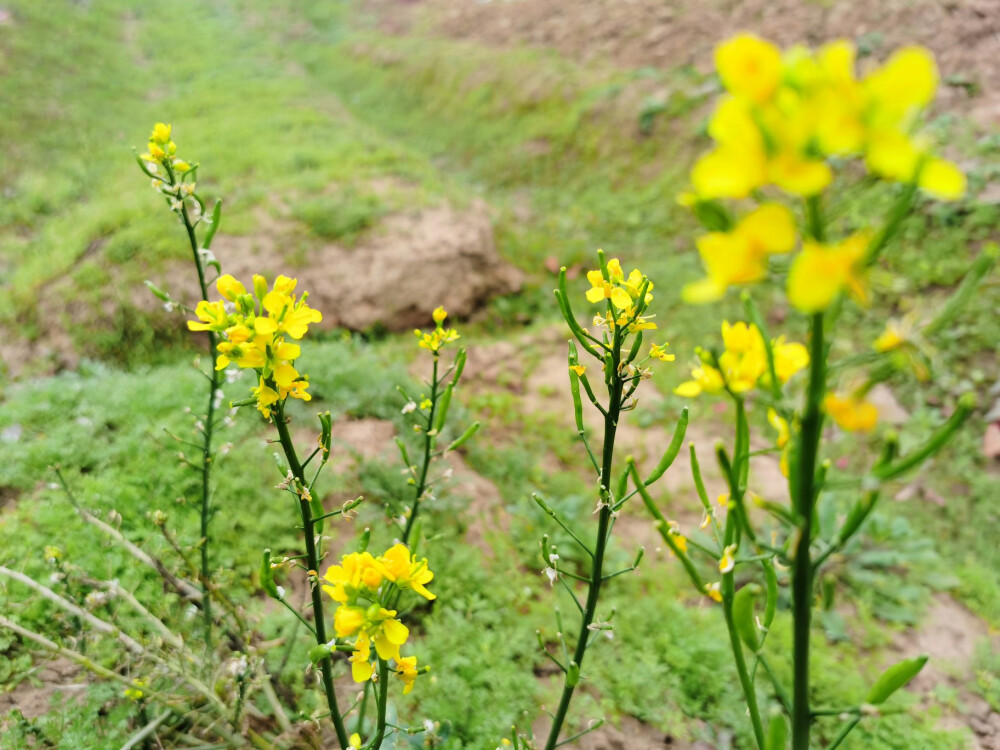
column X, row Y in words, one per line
column 294, row 113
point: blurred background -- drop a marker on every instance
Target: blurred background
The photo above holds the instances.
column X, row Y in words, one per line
column 397, row 155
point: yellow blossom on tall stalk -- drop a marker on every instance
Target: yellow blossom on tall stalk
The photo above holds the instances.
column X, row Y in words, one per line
column 623, row 292
column 435, row 340
column 254, row 326
column 792, row 125
column 788, row 121
column 821, row 272
column 366, row 589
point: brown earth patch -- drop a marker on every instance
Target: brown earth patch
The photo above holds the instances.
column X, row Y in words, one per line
column 33, row 696
column 484, row 510
column 964, row 34
column 396, row 274
column 626, row 733
column 393, row 278
column 949, row 635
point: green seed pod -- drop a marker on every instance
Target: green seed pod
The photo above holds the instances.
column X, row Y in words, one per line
column 326, row 434
column 213, row 227
column 777, row 734
column 459, row 366
column 317, row 510
column 829, row 592
column 319, row 653
column 366, row 537
column 894, row 678
column 672, row 450
column 572, row 674
column 267, row 576
column 743, row 616
column 471, row 430
column 442, row 409
column 157, row 292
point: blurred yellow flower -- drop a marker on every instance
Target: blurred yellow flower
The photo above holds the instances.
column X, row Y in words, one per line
column 821, row 272
column 749, row 66
column 740, row 255
column 851, row 413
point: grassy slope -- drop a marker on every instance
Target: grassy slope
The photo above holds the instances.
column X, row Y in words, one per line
column 288, row 119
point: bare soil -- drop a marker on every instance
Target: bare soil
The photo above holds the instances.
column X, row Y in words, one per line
column 33, row 696
column 963, row 34
column 397, row 273
column 949, row 635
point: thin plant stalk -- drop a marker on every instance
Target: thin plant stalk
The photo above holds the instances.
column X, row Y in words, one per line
column 803, row 488
column 616, row 387
column 313, row 560
column 215, row 382
column 429, row 440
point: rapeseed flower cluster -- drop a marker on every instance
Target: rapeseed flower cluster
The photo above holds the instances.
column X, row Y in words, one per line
column 256, row 327
column 172, row 180
column 435, row 340
column 366, row 588
column 787, row 120
column 743, row 363
column 624, row 294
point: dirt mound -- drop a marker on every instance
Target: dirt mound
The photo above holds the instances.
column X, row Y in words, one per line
column 964, row 34
column 396, row 275
column 393, row 278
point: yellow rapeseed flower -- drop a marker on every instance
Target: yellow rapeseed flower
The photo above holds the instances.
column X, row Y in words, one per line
column 743, row 362
column 749, row 67
column 406, row 571
column 406, row 668
column 658, row 351
column 821, row 272
column 851, row 413
column 740, row 255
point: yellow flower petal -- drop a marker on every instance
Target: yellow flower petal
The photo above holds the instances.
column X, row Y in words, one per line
column 943, row 180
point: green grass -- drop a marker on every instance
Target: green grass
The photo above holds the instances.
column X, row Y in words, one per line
column 312, row 132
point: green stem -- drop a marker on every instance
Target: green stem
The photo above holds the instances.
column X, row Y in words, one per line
column 428, row 447
column 615, row 388
column 803, row 496
column 360, row 724
column 206, row 453
column 382, row 699
column 312, row 556
column 749, row 691
column 848, row 728
column 735, row 520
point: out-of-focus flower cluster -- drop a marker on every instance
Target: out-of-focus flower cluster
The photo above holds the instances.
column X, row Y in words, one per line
column 743, row 362
column 435, row 340
column 787, row 121
column 255, row 327
column 367, row 590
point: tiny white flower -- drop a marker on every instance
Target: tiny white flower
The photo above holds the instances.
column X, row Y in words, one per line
column 409, row 407
column 552, row 574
